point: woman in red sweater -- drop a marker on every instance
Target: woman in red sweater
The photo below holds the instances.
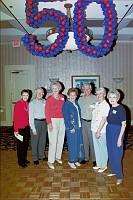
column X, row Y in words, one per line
column 56, row 126
column 21, row 127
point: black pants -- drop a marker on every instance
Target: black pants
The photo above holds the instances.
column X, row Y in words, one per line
column 22, row 147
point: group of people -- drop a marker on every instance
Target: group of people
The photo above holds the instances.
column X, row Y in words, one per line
column 91, row 127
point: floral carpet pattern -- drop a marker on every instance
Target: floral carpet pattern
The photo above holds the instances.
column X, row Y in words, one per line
column 9, row 142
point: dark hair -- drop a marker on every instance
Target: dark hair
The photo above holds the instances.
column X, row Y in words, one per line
column 24, row 91
column 70, row 90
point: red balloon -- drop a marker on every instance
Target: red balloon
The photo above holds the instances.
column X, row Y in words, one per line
column 79, row 23
column 31, row 36
column 36, row 47
column 61, row 18
column 27, row 21
column 105, row 2
column 109, row 34
column 31, row 43
column 56, row 44
column 108, row 41
column 52, row 48
column 80, row 34
column 79, row 11
column 79, row 17
column 30, row 2
column 109, row 12
column 62, row 34
column 39, row 15
column 40, row 48
column 44, row 12
column 28, row 14
column 63, row 30
column 35, row 18
column 79, row 4
column 47, row 50
column 56, row 14
column 110, row 16
column 27, row 49
column 79, row 29
column 63, row 23
column 105, row 45
column 109, row 23
column 88, row 50
column 60, row 40
column 110, row 29
column 83, row 40
column 83, row 47
column 107, row 5
column 29, row 6
column 51, row 13
column 94, row 51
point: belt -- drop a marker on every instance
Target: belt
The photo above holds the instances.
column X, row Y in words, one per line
column 86, row 120
column 40, row 119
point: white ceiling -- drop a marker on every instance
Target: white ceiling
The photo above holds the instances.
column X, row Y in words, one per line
column 13, row 19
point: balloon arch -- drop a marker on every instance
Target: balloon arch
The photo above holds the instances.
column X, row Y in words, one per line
column 34, row 19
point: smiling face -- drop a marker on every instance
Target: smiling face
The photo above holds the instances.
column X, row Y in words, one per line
column 100, row 96
column 113, row 99
column 55, row 90
column 39, row 94
column 72, row 96
column 87, row 90
column 25, row 96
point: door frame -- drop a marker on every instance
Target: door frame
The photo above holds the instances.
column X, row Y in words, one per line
column 7, row 75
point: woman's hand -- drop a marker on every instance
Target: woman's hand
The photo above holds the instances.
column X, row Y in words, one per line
column 97, row 134
column 16, row 133
column 119, row 142
column 50, row 127
column 72, row 131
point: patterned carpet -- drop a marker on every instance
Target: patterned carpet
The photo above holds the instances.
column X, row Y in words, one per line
column 8, row 141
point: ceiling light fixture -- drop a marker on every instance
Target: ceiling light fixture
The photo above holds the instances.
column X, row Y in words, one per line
column 52, row 33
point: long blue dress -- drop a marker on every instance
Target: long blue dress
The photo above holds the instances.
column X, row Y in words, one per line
column 74, row 140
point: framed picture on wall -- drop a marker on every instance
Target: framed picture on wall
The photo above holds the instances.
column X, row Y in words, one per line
column 78, row 81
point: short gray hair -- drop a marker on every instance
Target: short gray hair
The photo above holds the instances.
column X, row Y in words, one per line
column 102, row 90
column 87, row 84
column 113, row 92
column 39, row 88
column 57, row 84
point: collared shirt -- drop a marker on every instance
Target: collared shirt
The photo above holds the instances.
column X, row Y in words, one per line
column 86, row 104
column 100, row 110
column 36, row 111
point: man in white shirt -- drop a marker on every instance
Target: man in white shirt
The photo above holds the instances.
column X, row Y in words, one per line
column 86, row 104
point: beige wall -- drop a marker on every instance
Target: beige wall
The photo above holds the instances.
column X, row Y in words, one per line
column 117, row 63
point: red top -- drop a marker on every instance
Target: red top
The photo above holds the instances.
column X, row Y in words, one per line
column 53, row 108
column 21, row 115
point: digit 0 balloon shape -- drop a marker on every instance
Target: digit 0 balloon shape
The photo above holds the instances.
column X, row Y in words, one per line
column 34, row 19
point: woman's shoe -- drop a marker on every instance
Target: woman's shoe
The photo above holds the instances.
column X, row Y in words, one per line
column 111, row 175
column 77, row 164
column 72, row 165
column 59, row 160
column 119, row 181
column 51, row 166
column 101, row 170
column 96, row 167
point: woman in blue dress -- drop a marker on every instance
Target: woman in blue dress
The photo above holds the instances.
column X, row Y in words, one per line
column 72, row 117
column 115, row 134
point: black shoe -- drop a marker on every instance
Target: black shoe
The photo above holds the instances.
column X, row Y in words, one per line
column 45, row 159
column 36, row 162
column 84, row 161
column 27, row 162
column 23, row 165
column 94, row 163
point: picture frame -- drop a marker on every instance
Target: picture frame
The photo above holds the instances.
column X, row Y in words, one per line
column 79, row 80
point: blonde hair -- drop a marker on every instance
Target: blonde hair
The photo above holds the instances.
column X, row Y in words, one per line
column 114, row 92
column 57, row 84
column 102, row 90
